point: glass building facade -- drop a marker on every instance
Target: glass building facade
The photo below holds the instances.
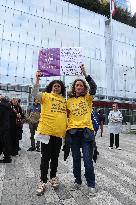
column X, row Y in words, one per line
column 26, row 26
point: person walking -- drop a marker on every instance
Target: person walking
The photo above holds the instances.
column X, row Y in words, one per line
column 33, row 120
column 80, row 129
column 115, row 126
column 51, row 129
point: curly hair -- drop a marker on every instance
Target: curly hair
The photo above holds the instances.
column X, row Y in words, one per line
column 48, row 88
column 73, row 94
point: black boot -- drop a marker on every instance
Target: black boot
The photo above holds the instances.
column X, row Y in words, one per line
column 31, row 149
column 7, row 160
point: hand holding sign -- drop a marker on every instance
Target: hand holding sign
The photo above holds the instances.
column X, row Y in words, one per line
column 83, row 71
column 38, row 75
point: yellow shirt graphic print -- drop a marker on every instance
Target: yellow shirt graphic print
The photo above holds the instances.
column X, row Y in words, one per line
column 79, row 110
column 53, row 115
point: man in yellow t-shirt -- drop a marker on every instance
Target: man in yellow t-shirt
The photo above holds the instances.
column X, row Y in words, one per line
column 80, row 129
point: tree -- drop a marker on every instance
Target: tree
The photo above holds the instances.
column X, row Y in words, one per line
column 133, row 21
column 104, row 9
column 122, row 15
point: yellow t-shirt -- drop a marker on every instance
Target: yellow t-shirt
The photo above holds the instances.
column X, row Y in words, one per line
column 79, row 111
column 53, row 115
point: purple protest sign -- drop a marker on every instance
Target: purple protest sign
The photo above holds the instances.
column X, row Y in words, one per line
column 49, row 62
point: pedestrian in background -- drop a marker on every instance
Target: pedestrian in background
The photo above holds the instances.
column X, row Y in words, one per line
column 51, row 129
column 18, row 127
column 101, row 120
column 80, row 129
column 33, row 120
column 115, row 126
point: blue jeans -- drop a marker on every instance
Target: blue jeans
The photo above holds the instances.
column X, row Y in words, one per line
column 77, row 141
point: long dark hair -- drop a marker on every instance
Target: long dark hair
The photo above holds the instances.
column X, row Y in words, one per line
column 73, row 93
column 48, row 89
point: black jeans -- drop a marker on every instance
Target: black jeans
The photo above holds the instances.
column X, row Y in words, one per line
column 112, row 140
column 50, row 153
column 77, row 141
column 5, row 143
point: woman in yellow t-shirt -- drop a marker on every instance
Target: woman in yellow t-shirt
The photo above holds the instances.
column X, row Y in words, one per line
column 51, row 129
column 80, row 129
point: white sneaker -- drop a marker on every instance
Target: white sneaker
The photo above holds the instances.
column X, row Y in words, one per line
column 41, row 189
column 110, row 147
column 92, row 191
column 118, row 148
column 55, row 182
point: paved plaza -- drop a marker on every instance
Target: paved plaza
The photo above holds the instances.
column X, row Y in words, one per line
column 115, row 177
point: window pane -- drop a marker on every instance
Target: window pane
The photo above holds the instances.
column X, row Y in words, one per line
column 28, row 61
column 5, row 57
column 13, row 58
column 65, row 12
column 21, row 61
column 10, row 3
column 3, row 2
column 47, row 5
column 2, row 14
column 73, row 19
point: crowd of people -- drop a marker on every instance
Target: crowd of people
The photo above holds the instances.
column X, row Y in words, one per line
column 51, row 119
column 11, row 124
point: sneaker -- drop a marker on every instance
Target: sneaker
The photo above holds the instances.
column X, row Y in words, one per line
column 118, row 148
column 92, row 191
column 110, row 147
column 31, row 149
column 41, row 189
column 55, row 182
column 75, row 187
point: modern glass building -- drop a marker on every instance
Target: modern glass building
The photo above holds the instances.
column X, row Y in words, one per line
column 26, row 26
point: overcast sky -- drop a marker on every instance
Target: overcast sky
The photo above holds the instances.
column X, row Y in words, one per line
column 133, row 6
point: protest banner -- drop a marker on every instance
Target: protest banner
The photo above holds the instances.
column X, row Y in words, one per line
column 60, row 61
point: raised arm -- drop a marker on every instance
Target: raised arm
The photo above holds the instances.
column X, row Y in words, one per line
column 92, row 84
column 35, row 90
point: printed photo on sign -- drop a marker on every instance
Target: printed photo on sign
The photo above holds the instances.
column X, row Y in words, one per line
column 60, row 61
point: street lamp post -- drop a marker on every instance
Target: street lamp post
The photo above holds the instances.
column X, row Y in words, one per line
column 125, row 85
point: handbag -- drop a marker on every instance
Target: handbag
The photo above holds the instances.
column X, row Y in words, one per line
column 88, row 135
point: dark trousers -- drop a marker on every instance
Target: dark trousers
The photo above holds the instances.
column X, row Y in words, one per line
column 112, row 140
column 77, row 141
column 5, row 143
column 50, row 153
column 16, row 136
column 33, row 128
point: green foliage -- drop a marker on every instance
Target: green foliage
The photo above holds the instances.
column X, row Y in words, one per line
column 104, row 9
column 123, row 16
column 133, row 21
